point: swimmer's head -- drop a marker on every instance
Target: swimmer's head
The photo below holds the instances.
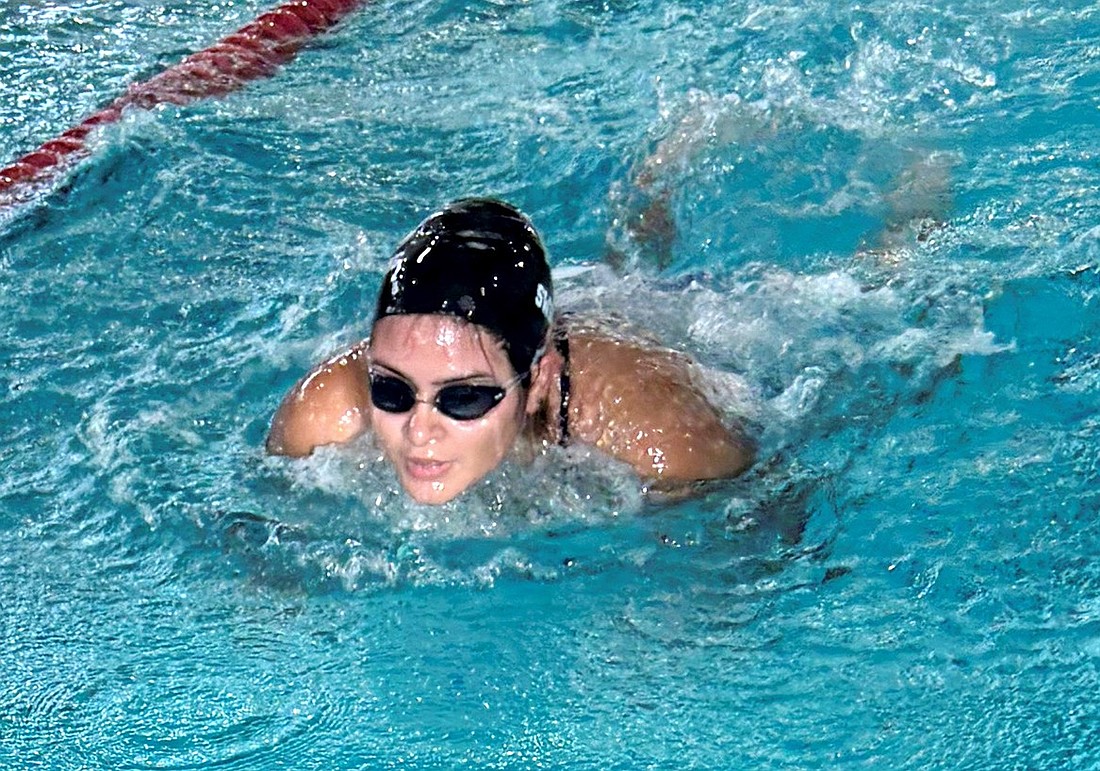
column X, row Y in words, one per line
column 479, row 260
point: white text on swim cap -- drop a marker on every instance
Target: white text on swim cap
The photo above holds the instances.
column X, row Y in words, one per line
column 544, row 302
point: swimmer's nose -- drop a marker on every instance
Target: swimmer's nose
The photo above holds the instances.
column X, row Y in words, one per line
column 423, row 425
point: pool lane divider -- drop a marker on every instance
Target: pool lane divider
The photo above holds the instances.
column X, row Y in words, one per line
column 254, row 51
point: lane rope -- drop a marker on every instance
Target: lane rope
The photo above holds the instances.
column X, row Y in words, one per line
column 254, row 51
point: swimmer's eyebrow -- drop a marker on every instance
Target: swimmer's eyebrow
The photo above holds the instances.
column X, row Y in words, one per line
column 460, row 380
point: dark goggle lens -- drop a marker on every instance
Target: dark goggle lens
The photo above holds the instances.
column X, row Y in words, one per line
column 460, row 402
column 390, row 394
column 467, row 402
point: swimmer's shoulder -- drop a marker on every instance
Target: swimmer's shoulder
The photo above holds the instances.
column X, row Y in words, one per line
column 330, row 405
column 639, row 403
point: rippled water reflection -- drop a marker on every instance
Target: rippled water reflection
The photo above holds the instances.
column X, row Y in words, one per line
column 907, row 577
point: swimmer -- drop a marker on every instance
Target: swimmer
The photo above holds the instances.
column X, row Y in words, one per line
column 467, row 363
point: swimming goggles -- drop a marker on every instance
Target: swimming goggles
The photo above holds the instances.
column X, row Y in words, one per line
column 459, row 401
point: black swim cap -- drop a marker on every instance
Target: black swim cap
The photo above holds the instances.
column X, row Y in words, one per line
column 479, row 260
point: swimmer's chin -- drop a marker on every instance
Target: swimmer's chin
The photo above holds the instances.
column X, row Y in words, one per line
column 426, row 483
column 432, row 497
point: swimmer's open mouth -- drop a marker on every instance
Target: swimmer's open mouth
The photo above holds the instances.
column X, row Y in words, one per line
column 426, row 470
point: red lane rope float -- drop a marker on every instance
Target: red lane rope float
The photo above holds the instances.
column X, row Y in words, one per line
column 254, row 51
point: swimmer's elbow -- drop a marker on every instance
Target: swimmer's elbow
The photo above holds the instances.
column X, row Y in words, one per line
column 726, row 457
column 738, row 466
column 729, row 464
column 286, row 438
column 327, row 407
column 737, row 455
column 299, row 438
column 279, row 443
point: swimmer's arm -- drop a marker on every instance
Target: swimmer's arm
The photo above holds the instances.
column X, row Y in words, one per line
column 918, row 204
column 673, row 449
column 711, row 450
column 643, row 210
column 640, row 407
column 330, row 405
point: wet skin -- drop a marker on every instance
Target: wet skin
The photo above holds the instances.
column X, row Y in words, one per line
column 635, row 402
column 437, row 457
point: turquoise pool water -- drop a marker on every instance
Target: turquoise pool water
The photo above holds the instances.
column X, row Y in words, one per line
column 908, row 578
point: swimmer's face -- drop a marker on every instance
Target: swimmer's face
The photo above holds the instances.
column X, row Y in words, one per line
column 438, row 457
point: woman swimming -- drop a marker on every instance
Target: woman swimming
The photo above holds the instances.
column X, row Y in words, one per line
column 467, row 360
